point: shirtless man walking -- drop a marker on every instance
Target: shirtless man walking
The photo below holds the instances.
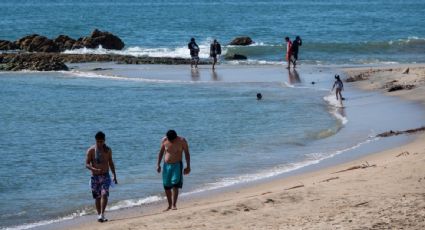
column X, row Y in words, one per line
column 172, row 175
column 98, row 161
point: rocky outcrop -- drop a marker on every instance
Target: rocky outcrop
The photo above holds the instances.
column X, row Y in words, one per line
column 65, row 43
column 7, row 45
column 105, row 39
column 37, row 43
column 30, row 62
column 235, row 57
column 241, row 41
column 40, row 61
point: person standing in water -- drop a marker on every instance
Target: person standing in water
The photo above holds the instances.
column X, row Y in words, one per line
column 215, row 49
column 194, row 52
column 338, row 86
column 295, row 46
column 173, row 147
column 288, row 51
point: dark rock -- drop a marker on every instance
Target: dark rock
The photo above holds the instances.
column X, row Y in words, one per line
column 37, row 43
column 105, row 39
column 241, row 41
column 64, row 42
column 29, row 61
column 236, row 57
column 8, row 45
column 400, row 87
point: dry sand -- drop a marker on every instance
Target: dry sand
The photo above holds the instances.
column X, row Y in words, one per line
column 381, row 191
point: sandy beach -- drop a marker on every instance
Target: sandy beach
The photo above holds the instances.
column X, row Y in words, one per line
column 384, row 190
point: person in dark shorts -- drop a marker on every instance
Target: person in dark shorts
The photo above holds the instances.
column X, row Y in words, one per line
column 215, row 49
column 295, row 47
column 99, row 161
column 173, row 147
column 194, row 52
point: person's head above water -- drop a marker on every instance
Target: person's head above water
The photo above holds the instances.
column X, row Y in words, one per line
column 259, row 96
column 286, row 38
column 192, row 39
column 171, row 135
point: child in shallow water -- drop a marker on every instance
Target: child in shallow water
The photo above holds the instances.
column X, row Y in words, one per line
column 338, row 86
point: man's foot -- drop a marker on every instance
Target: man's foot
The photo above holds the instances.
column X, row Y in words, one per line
column 101, row 218
column 174, row 208
column 167, row 209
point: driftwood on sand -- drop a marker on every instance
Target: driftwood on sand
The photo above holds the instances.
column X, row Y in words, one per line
column 362, row 166
column 294, row 187
column 394, row 133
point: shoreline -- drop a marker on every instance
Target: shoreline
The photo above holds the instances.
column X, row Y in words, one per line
column 234, row 208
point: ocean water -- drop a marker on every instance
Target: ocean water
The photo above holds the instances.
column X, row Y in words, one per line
column 48, row 120
column 360, row 32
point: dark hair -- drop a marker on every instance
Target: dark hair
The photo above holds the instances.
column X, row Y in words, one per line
column 297, row 38
column 100, row 136
column 337, row 77
column 192, row 39
column 171, row 135
column 259, row 96
column 287, row 38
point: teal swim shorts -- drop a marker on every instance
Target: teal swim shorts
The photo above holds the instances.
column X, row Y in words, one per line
column 172, row 175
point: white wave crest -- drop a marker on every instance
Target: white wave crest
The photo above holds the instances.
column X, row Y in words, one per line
column 337, row 106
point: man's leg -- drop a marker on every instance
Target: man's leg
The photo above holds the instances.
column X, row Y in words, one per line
column 168, row 194
column 175, row 196
column 214, row 61
column 97, row 203
column 103, row 203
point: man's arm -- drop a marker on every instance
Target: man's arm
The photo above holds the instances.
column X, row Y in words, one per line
column 112, row 166
column 186, row 156
column 160, row 154
column 89, row 166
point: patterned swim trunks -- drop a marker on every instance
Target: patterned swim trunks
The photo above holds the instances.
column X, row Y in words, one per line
column 100, row 185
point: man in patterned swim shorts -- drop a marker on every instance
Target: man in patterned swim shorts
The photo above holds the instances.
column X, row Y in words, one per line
column 98, row 161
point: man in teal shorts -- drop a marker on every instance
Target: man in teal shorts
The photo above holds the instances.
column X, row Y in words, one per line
column 172, row 175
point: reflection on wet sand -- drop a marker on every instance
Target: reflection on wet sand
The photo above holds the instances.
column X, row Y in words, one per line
column 293, row 76
column 214, row 76
column 195, row 75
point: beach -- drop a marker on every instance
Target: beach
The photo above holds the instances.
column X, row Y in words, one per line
column 71, row 69
column 383, row 190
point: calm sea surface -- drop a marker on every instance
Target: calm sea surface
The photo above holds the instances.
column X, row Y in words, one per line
column 47, row 120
